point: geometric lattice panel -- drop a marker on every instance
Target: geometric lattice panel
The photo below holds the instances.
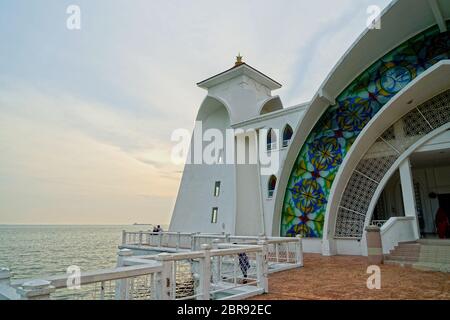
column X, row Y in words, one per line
column 358, row 193
column 376, row 168
column 414, row 124
column 437, row 110
column 349, row 224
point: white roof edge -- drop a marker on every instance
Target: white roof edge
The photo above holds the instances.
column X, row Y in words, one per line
column 271, row 115
column 243, row 69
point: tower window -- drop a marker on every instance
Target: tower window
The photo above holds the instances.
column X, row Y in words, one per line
column 287, row 135
column 271, row 140
column 271, row 186
column 217, row 189
column 214, row 213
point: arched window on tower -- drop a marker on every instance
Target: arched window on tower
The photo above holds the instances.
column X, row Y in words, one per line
column 287, row 135
column 271, row 186
column 271, row 140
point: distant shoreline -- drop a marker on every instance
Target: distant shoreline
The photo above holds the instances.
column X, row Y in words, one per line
column 73, row 225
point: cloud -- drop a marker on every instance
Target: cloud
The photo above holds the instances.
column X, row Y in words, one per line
column 86, row 116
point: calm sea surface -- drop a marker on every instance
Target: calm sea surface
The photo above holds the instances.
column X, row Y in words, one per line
column 31, row 251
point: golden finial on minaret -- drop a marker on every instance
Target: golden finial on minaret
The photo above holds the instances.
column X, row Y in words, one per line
column 238, row 60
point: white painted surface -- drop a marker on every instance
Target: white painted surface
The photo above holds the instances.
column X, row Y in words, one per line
column 234, row 100
column 395, row 230
column 409, row 202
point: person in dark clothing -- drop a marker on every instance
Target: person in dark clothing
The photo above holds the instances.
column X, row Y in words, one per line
column 244, row 264
column 442, row 223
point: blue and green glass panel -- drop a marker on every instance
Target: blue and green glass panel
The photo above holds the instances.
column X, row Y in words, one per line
column 320, row 157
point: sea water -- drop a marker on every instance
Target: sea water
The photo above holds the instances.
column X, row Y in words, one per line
column 31, row 251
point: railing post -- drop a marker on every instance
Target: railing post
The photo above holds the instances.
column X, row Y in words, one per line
column 374, row 245
column 178, row 240
column 140, row 238
column 165, row 277
column 193, row 241
column 36, row 290
column 124, row 237
column 122, row 286
column 262, row 267
column 5, row 276
column 205, row 272
column 299, row 251
column 160, row 239
column 227, row 238
column 216, row 263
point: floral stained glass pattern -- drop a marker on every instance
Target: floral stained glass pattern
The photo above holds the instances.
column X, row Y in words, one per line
column 328, row 143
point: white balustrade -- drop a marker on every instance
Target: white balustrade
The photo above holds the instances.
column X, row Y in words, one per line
column 218, row 266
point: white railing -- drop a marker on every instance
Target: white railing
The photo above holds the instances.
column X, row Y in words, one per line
column 283, row 252
column 271, row 146
column 176, row 240
column 395, row 230
column 224, row 271
column 216, row 267
column 378, row 223
column 121, row 283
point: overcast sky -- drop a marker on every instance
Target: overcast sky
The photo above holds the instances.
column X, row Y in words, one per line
column 86, row 115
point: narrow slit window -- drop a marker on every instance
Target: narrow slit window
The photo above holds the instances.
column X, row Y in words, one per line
column 217, row 189
column 214, row 213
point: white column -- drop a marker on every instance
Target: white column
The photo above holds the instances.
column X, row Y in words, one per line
column 122, row 286
column 205, row 273
column 167, row 283
column 262, row 266
column 409, row 201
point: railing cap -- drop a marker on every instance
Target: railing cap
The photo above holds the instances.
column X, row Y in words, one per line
column 206, row 246
column 36, row 284
column 125, row 253
column 373, row 229
column 5, row 273
column 164, row 256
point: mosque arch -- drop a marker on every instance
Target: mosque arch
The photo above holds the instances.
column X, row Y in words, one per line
column 332, row 136
column 372, row 173
column 272, row 104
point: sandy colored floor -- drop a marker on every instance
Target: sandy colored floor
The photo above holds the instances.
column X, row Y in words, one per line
column 336, row 278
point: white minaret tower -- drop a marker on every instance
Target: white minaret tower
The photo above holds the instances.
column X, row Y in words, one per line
column 224, row 197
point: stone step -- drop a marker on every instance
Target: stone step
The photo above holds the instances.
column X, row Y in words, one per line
column 401, row 258
column 425, row 254
column 435, row 242
column 399, row 263
column 406, row 252
column 429, row 266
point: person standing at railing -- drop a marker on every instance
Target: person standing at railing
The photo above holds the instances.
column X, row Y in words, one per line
column 244, row 264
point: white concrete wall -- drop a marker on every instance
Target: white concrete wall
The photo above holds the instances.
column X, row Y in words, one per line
column 277, row 120
column 195, row 200
column 243, row 205
column 395, row 230
column 244, row 96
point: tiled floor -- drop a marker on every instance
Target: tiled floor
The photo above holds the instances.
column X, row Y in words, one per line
column 345, row 278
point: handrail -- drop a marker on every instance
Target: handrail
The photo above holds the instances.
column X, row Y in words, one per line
column 391, row 222
column 60, row 281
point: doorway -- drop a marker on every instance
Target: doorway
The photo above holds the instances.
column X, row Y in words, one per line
column 444, row 203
